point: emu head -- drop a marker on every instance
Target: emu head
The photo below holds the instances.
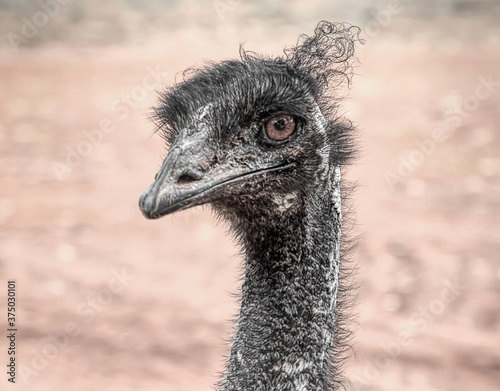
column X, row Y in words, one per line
column 250, row 136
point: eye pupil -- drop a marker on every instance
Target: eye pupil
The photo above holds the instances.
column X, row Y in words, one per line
column 280, row 124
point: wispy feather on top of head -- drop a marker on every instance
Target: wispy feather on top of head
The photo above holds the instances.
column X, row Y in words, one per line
column 327, row 53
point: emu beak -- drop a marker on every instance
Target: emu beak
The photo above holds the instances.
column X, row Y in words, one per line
column 179, row 185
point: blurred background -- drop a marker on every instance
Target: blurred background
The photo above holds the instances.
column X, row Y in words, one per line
column 110, row 301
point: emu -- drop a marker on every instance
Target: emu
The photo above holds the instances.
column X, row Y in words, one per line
column 260, row 140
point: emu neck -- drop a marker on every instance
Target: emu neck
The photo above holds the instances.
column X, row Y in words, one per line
column 286, row 326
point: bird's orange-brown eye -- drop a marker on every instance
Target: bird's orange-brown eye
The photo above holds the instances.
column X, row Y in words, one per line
column 280, row 127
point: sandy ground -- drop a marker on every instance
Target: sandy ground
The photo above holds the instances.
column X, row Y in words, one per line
column 110, row 301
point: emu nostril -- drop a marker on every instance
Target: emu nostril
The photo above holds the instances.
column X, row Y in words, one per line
column 186, row 178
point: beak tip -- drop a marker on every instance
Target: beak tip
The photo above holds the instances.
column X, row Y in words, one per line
column 147, row 205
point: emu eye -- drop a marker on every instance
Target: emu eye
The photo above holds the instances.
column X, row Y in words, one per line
column 279, row 127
